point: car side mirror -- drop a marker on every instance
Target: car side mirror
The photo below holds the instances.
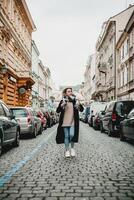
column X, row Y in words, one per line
column 125, row 116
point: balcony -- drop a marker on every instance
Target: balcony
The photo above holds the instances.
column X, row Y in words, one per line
column 102, row 67
column 25, row 78
column 101, row 88
column 123, row 90
column 111, row 81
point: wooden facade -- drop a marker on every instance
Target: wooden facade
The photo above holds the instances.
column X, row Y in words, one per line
column 16, row 27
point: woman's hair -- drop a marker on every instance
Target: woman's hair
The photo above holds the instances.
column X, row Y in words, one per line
column 65, row 90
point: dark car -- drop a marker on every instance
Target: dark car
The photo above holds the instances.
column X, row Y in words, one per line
column 97, row 120
column 49, row 119
column 86, row 114
column 127, row 127
column 9, row 128
column 115, row 112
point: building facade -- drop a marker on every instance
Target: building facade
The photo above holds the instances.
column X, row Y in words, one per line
column 125, row 62
column 106, row 63
column 16, row 27
column 90, row 79
column 35, row 73
column 42, row 89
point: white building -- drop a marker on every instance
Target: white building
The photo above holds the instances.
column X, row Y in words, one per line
column 35, row 71
column 42, row 89
column 125, row 62
column 106, row 49
column 89, row 79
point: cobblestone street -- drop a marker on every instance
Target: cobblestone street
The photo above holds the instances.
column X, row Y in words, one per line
column 102, row 170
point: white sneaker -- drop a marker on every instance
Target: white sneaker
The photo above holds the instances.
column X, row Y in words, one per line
column 72, row 152
column 67, row 154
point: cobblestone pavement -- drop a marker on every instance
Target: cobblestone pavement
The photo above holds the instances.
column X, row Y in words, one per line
column 102, row 170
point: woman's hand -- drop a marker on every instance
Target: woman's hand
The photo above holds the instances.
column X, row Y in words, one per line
column 63, row 104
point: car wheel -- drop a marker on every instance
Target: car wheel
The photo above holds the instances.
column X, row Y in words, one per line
column 94, row 126
column 41, row 129
column 0, row 146
column 122, row 137
column 110, row 132
column 101, row 128
column 35, row 132
column 17, row 140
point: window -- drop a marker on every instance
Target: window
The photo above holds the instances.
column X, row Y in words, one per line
column 125, row 75
column 7, row 112
column 19, row 112
column 131, row 71
column 122, row 78
column 124, row 107
column 1, row 111
column 110, row 107
column 131, row 114
column 127, row 47
column 119, row 108
column 122, row 51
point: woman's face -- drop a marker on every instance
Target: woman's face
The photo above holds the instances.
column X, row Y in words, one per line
column 69, row 92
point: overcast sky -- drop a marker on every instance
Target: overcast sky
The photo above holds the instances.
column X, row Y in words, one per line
column 67, row 31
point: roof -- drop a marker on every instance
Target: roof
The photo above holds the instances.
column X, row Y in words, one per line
column 27, row 12
column 110, row 21
column 127, row 29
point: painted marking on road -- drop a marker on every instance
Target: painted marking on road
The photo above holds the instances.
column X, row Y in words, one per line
column 8, row 175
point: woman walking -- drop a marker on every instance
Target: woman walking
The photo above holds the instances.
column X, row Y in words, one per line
column 68, row 128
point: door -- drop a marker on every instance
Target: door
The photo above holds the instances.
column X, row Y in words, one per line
column 11, row 123
column 4, row 124
column 130, row 125
column 108, row 115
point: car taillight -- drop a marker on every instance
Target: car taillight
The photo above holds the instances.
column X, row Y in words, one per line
column 98, row 119
column 114, row 117
column 18, row 120
column 29, row 120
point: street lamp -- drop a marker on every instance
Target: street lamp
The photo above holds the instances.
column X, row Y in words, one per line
column 4, row 69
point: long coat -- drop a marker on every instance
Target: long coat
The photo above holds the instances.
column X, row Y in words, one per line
column 60, row 130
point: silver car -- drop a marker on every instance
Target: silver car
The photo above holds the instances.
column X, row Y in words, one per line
column 29, row 122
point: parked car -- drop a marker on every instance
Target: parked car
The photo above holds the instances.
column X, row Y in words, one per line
column 127, row 127
column 82, row 115
column 94, row 108
column 43, row 119
column 97, row 120
column 9, row 128
column 86, row 114
column 53, row 118
column 49, row 119
column 114, row 113
column 29, row 122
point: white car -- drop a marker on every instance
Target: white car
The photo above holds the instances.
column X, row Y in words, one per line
column 95, row 107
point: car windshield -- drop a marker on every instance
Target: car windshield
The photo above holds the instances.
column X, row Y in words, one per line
column 19, row 112
column 98, row 107
column 123, row 108
column 87, row 110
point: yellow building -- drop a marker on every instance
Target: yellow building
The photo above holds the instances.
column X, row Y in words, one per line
column 16, row 27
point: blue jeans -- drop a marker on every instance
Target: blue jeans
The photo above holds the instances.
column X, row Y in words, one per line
column 68, row 135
